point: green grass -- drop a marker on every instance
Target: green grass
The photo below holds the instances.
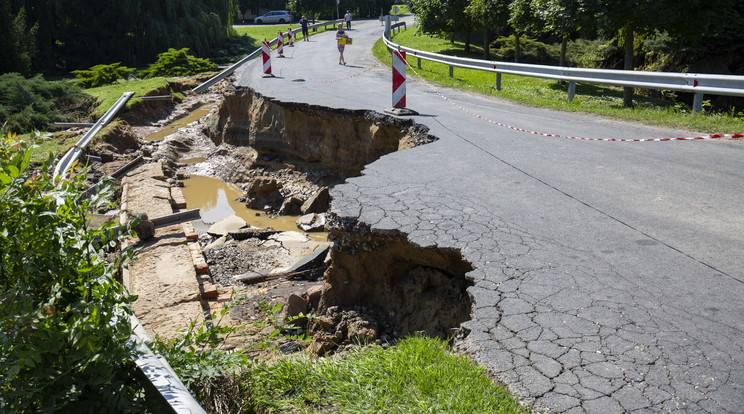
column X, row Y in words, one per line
column 268, row 32
column 109, row 94
column 419, row 375
column 599, row 100
column 44, row 144
column 402, row 9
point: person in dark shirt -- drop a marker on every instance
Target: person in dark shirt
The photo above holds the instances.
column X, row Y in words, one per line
column 303, row 23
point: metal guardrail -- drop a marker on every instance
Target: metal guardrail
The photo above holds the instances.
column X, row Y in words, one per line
column 696, row 83
column 161, row 377
column 60, row 170
column 227, row 72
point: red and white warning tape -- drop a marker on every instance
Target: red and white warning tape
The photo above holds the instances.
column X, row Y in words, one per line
column 545, row 134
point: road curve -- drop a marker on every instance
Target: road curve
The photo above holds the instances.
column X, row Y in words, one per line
column 608, row 275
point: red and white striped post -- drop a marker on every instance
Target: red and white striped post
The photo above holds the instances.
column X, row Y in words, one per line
column 280, row 43
column 266, row 53
column 399, row 79
column 399, row 86
column 290, row 38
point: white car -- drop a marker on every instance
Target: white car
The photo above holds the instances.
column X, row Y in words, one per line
column 276, row 16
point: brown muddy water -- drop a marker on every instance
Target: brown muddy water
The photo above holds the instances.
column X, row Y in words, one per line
column 217, row 200
column 194, row 115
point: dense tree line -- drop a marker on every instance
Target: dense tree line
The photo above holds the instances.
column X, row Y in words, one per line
column 697, row 35
column 320, row 9
column 57, row 36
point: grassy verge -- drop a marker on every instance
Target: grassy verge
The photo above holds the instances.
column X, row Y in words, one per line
column 599, row 100
column 109, row 94
column 268, row 32
column 419, row 375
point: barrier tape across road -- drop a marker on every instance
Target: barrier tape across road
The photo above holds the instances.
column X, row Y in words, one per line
column 546, row 134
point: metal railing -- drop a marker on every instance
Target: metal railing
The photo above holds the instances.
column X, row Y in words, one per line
column 227, row 72
column 159, row 376
column 74, row 153
column 695, row 83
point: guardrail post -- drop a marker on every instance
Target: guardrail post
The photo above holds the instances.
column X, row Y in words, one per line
column 498, row 81
column 452, row 71
column 697, row 102
column 571, row 90
column 418, row 63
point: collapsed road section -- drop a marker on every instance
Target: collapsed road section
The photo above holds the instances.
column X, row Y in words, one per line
column 281, row 160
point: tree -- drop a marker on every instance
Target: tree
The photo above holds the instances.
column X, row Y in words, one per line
column 17, row 40
column 563, row 18
column 630, row 17
column 522, row 20
column 488, row 14
column 77, row 34
column 443, row 17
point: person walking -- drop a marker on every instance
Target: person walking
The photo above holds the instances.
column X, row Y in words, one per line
column 303, row 23
column 341, row 43
column 347, row 18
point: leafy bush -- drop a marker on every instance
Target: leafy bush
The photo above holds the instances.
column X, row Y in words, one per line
column 35, row 103
column 177, row 63
column 100, row 75
column 63, row 317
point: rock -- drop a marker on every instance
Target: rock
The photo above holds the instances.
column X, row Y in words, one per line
column 209, row 291
column 217, row 243
column 250, row 277
column 264, row 191
column 312, row 222
column 361, row 331
column 313, row 296
column 322, row 344
column 252, row 232
column 229, row 224
column 318, row 202
column 262, row 184
column 290, row 347
column 296, row 305
column 291, row 206
column 311, row 261
column 145, row 229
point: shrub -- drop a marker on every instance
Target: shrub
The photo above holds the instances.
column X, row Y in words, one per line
column 101, row 75
column 63, row 318
column 177, row 63
column 35, row 103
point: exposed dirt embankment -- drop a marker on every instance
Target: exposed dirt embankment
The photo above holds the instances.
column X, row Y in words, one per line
column 342, row 141
column 408, row 287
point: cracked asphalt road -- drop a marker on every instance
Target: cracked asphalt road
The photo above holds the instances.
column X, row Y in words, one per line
column 608, row 276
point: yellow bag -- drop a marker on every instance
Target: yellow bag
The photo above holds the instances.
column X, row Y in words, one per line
column 345, row 41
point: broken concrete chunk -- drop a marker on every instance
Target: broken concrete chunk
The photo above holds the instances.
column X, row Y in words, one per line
column 318, row 202
column 311, row 261
column 252, row 232
column 217, row 243
column 229, row 224
column 312, row 222
column 250, row 277
column 290, row 206
column 313, row 296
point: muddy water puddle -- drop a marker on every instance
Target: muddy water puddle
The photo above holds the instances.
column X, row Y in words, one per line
column 217, row 200
column 194, row 115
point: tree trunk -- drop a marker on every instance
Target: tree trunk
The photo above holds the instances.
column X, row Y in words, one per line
column 468, row 32
column 628, row 65
column 562, row 59
column 486, row 43
column 452, row 38
column 516, row 48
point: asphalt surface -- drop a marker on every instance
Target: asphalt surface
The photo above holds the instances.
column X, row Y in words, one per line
column 609, row 276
